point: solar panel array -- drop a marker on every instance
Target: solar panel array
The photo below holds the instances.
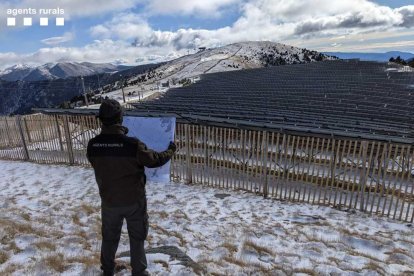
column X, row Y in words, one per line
column 345, row 97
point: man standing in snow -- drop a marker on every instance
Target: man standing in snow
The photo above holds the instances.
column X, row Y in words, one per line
column 118, row 162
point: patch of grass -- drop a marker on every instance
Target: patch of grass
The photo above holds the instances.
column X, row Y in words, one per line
column 348, row 232
column 12, row 228
column 161, row 214
column 85, row 240
column 89, row 261
column 158, row 228
column 88, row 209
column 236, row 261
column 400, row 251
column 12, row 246
column 25, row 216
column 249, row 244
column 289, row 254
column 55, row 262
column 375, row 267
column 3, row 257
column 229, row 246
column 179, row 236
column 180, row 214
column 45, row 202
column 306, row 271
column 9, row 270
column 76, row 220
column 362, row 254
column 46, row 220
column 333, row 260
column 163, row 263
column 45, row 245
column 257, row 269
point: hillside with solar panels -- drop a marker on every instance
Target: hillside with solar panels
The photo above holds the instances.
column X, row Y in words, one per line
column 344, row 97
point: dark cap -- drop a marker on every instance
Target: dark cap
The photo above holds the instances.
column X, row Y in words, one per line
column 110, row 112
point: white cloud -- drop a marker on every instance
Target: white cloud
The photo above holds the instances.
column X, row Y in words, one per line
column 275, row 20
column 317, row 24
column 207, row 8
column 99, row 51
column 66, row 37
column 123, row 26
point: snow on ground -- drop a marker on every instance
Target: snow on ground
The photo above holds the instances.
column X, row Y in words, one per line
column 50, row 225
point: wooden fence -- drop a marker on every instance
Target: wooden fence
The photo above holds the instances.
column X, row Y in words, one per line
column 371, row 176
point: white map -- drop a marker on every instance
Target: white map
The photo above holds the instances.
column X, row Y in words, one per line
column 156, row 133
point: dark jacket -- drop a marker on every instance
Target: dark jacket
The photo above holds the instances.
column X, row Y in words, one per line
column 119, row 161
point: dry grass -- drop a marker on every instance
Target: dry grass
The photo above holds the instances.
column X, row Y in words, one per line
column 46, row 220
column 55, row 262
column 161, row 214
column 76, row 220
column 8, row 270
column 256, row 269
column 334, row 260
column 362, row 254
column 289, row 254
column 45, row 245
column 236, row 261
column 25, row 216
column 401, row 251
column 375, row 267
column 306, row 271
column 88, row 261
column 85, row 239
column 180, row 214
column 230, row 247
column 249, row 244
column 179, row 236
column 88, row 209
column 159, row 229
column 3, row 257
column 12, row 246
column 163, row 263
column 12, row 228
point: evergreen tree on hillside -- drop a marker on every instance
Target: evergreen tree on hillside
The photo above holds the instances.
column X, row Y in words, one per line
column 401, row 61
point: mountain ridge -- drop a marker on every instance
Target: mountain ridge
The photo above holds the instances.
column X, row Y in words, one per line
column 59, row 70
column 380, row 57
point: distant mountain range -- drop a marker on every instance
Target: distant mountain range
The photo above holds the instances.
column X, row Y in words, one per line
column 19, row 97
column 61, row 70
column 381, row 57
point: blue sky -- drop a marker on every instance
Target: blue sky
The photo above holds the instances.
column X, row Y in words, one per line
column 139, row 31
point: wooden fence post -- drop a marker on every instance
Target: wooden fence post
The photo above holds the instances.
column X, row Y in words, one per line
column 188, row 155
column 265, row 151
column 19, row 125
column 362, row 174
column 68, row 137
column 59, row 133
column 8, row 132
column 206, row 167
column 27, row 130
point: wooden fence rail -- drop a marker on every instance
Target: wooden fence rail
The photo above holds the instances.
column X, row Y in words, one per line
column 371, row 176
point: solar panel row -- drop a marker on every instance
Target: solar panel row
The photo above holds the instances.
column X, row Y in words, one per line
column 352, row 97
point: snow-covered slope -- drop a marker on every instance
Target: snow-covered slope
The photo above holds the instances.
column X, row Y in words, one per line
column 238, row 56
column 50, row 225
column 59, row 70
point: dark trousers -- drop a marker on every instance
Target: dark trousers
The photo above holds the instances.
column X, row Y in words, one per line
column 137, row 224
